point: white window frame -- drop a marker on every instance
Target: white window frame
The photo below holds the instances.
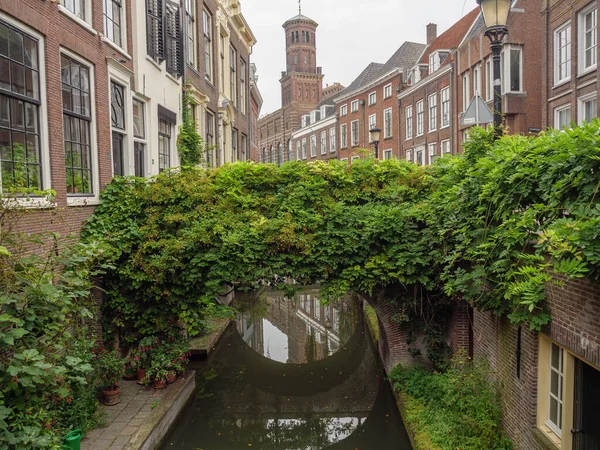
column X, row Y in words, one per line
column 141, row 140
column 409, row 155
column 557, row 111
column 581, row 101
column 420, row 151
column 581, row 63
column 354, row 158
column 431, row 152
column 387, row 91
column 352, row 141
column 313, row 145
column 372, row 98
column 566, row 28
column 344, row 110
column 344, row 160
column 420, row 118
column 432, row 111
column 505, row 77
column 560, row 371
column 323, row 142
column 298, row 150
column 123, row 47
column 332, row 143
column 388, row 133
column 304, row 148
column 344, row 135
column 466, row 91
column 445, row 147
column 354, row 106
column 372, row 121
column 477, row 81
column 95, row 197
column 85, row 21
column 489, row 80
column 387, row 154
column 409, row 122
column 445, row 101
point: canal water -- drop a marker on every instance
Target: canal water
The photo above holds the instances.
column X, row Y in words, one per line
column 293, row 374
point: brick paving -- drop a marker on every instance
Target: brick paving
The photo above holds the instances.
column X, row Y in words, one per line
column 123, row 420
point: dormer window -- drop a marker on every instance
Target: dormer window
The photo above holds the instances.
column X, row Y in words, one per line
column 323, row 111
column 434, row 62
column 313, row 116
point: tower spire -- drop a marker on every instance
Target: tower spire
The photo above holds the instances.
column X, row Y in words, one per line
column 299, row 6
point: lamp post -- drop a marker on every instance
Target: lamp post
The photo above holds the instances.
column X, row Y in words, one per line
column 375, row 134
column 495, row 16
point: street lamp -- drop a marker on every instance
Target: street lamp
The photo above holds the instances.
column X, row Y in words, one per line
column 495, row 16
column 375, row 134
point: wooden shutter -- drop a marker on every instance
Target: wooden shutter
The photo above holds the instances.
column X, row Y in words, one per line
column 154, row 29
column 173, row 39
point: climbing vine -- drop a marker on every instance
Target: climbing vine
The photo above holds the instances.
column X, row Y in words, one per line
column 190, row 144
column 491, row 227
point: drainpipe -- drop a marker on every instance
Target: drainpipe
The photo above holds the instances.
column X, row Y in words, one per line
column 452, row 106
column 364, row 112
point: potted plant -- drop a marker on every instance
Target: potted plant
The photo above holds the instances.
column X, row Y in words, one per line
column 109, row 369
column 178, row 357
column 142, row 358
column 130, row 372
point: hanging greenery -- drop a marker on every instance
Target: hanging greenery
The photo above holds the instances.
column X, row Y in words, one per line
column 190, row 144
column 490, row 226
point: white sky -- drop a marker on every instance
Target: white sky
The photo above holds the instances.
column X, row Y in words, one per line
column 351, row 34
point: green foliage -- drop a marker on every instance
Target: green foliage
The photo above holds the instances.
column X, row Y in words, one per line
column 109, row 367
column 44, row 345
column 190, row 144
column 457, row 408
column 488, row 227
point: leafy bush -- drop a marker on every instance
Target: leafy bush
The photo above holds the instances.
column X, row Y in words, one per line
column 109, row 367
column 457, row 408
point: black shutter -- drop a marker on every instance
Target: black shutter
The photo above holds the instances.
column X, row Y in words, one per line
column 173, row 39
column 154, row 29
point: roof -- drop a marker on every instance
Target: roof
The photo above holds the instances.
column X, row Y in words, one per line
column 299, row 17
column 405, row 57
column 476, row 28
column 452, row 37
column 368, row 75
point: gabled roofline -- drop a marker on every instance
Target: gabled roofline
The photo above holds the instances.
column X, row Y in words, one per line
column 462, row 41
column 366, row 87
column 428, row 79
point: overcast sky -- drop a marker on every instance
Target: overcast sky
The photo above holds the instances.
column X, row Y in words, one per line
column 351, row 34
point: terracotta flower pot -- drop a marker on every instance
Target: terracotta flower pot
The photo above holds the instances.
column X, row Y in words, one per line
column 171, row 377
column 111, row 395
column 130, row 376
column 141, row 375
column 159, row 384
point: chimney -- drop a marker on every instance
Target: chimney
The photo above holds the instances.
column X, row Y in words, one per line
column 431, row 33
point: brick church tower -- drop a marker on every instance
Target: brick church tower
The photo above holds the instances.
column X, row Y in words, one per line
column 302, row 82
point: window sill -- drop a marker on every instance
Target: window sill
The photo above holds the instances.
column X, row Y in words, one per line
column 115, row 47
column 444, row 127
column 389, row 138
column 561, row 83
column 77, row 20
column 172, row 78
column 83, row 201
column 154, row 63
column 28, row 203
column 547, row 438
column 587, row 71
column 432, row 131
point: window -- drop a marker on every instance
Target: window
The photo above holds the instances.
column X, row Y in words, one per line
column 409, row 122
column 445, row 94
column 323, row 142
column 76, row 125
column 588, row 38
column 164, row 145
column 372, row 98
column 343, row 110
column 233, row 75
column 298, row 151
column 489, row 80
column 20, row 152
column 354, row 138
column 372, row 121
column 77, row 7
column 445, row 147
column 117, row 121
column 139, row 136
column 154, row 29
column 562, row 116
column 420, row 117
column 243, row 86
column 234, row 144
column 222, row 57
column 434, row 62
column 290, row 155
column 207, row 24
column 555, row 389
column 354, row 106
column 190, row 18
column 562, row 53
column 332, row 140
column 409, row 155
column 313, row 146
column 344, row 136
column 210, row 138
column 173, row 54
column 387, row 124
column 387, row 91
column 588, row 108
column 513, row 75
column 387, row 154
column 466, row 95
column 419, row 155
column 432, row 102
column 432, row 153
column 477, row 80
column 243, row 147
column 303, row 148
column 354, row 158
column 112, row 21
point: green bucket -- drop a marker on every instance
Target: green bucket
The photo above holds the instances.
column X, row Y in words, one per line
column 73, row 440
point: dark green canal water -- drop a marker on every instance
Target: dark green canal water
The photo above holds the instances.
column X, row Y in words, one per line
column 292, row 375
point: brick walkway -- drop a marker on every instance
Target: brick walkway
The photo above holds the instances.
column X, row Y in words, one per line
column 126, row 418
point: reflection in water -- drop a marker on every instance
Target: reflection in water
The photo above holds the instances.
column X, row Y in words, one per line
column 294, row 375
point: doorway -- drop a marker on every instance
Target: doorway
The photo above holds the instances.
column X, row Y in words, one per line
column 586, row 429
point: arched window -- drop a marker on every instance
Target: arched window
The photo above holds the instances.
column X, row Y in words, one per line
column 280, row 155
column 292, row 36
column 296, row 36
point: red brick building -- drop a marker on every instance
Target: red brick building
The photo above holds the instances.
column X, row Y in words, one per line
column 427, row 106
column 370, row 101
column 256, row 102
